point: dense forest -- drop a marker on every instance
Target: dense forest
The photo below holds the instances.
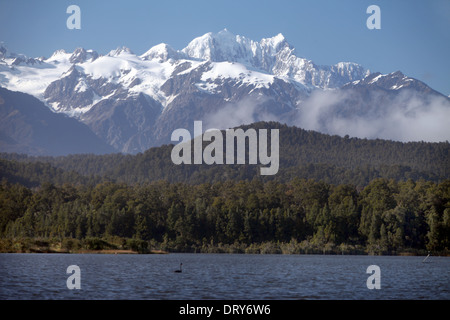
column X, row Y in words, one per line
column 331, row 195
column 302, row 216
column 305, row 154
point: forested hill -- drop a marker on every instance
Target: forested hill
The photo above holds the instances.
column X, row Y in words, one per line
column 326, row 198
column 303, row 154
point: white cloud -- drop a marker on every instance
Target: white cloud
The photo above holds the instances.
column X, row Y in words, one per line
column 234, row 114
column 407, row 117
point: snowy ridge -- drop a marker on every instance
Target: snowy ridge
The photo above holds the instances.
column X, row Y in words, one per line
column 231, row 70
column 232, row 57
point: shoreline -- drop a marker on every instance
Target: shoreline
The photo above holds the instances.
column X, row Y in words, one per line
column 136, row 246
column 86, row 251
column 122, row 251
column 112, row 251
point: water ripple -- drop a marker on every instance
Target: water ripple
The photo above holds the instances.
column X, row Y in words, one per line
column 221, row 276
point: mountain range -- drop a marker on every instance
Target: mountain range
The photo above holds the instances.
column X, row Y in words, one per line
column 133, row 102
column 28, row 126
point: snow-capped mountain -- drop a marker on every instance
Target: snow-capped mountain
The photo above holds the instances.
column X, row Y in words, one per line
column 253, row 63
column 392, row 81
column 274, row 56
column 135, row 101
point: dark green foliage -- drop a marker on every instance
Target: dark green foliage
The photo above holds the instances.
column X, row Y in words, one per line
column 93, row 243
column 245, row 216
column 303, row 154
column 137, row 245
column 33, row 174
column 331, row 194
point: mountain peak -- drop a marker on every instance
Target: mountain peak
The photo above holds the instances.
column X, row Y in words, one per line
column 225, row 32
column 275, row 40
column 59, row 52
column 13, row 59
column 225, row 46
column 200, row 47
column 119, row 51
column 6, row 53
column 81, row 55
column 393, row 81
column 161, row 52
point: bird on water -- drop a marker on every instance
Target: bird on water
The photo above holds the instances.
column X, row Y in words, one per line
column 179, row 270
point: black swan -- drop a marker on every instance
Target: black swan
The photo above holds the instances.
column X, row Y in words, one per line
column 179, row 270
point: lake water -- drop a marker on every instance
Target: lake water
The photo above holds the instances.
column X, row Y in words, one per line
column 222, row 276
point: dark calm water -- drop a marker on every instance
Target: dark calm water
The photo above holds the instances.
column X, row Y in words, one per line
column 222, row 276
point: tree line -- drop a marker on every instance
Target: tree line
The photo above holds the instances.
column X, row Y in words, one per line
column 298, row 216
column 305, row 154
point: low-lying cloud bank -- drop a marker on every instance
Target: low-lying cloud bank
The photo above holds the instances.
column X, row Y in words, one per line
column 234, row 114
column 404, row 116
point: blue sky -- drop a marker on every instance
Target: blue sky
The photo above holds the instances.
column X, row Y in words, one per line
column 414, row 35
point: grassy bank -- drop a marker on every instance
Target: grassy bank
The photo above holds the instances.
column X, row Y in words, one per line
column 70, row 245
column 117, row 245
